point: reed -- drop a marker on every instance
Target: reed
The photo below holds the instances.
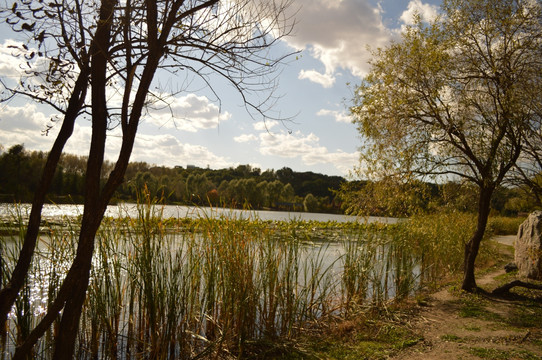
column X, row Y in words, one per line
column 212, row 287
column 437, row 242
column 501, row 225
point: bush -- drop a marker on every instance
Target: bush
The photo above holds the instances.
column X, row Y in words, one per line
column 501, row 225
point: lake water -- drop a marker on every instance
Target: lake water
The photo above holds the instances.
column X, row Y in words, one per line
column 50, row 212
column 317, row 266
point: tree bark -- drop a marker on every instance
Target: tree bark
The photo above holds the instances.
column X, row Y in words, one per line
column 95, row 202
column 69, row 325
column 505, row 289
column 473, row 245
column 9, row 293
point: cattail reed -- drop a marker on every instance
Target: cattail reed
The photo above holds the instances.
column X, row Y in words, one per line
column 211, row 287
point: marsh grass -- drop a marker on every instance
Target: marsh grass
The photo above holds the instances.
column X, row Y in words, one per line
column 213, row 287
column 500, row 225
column 437, row 241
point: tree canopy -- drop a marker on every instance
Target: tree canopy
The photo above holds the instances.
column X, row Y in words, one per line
column 455, row 98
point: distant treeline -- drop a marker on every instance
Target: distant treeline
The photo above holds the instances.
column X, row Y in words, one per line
column 240, row 187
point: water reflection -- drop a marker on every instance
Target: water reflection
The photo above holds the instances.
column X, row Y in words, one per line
column 51, row 211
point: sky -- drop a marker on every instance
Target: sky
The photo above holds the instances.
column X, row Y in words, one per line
column 315, row 88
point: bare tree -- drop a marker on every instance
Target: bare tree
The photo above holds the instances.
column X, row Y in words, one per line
column 115, row 49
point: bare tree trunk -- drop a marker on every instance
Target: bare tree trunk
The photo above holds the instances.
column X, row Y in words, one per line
column 95, row 202
column 69, row 325
column 9, row 293
column 472, row 247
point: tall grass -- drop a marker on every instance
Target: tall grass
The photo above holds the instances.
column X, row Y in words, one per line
column 500, row 225
column 438, row 242
column 214, row 287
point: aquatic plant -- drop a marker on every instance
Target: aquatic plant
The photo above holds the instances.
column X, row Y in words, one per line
column 193, row 288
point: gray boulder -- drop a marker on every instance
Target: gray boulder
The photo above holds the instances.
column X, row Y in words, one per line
column 528, row 247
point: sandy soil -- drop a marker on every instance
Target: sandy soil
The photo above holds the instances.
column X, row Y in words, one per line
column 448, row 332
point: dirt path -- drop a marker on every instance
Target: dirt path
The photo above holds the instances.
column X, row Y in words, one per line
column 454, row 325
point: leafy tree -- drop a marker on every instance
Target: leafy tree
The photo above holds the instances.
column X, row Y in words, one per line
column 197, row 188
column 456, row 98
column 114, row 49
column 310, row 203
column 287, row 194
column 274, row 191
column 285, row 175
column 263, row 194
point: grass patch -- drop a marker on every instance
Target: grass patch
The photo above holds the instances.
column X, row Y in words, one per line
column 363, row 339
column 473, row 328
column 473, row 306
column 496, row 354
column 527, row 314
column 247, row 288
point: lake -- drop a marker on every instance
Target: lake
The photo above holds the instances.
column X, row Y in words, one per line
column 256, row 279
column 50, row 212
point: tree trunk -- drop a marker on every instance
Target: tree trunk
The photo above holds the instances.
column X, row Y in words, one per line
column 9, row 293
column 472, row 247
column 69, row 325
column 95, row 201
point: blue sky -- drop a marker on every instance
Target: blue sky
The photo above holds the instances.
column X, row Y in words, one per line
column 332, row 37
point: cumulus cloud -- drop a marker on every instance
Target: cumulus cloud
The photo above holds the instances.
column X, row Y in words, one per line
column 245, row 138
column 326, row 80
column 24, row 125
column 337, row 33
column 172, row 152
column 188, row 113
column 340, row 116
column 9, row 64
column 307, row 148
column 161, row 149
column 22, row 118
column 416, row 7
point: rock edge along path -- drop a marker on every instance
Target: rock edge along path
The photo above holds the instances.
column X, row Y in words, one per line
column 453, row 325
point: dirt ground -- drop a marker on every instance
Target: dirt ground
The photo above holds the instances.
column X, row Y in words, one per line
column 454, row 325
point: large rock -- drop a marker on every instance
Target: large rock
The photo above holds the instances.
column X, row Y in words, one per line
column 528, row 247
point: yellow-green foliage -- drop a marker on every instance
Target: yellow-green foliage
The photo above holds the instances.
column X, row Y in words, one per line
column 439, row 240
column 500, row 225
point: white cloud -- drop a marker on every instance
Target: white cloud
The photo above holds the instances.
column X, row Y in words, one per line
column 22, row 118
column 172, row 152
column 326, row 80
column 287, row 145
column 9, row 64
column 416, row 7
column 245, row 138
column 24, row 125
column 339, row 116
column 161, row 149
column 338, row 32
column 188, row 113
column 307, row 148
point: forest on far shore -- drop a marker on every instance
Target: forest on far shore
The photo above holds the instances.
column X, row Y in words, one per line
column 240, row 187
